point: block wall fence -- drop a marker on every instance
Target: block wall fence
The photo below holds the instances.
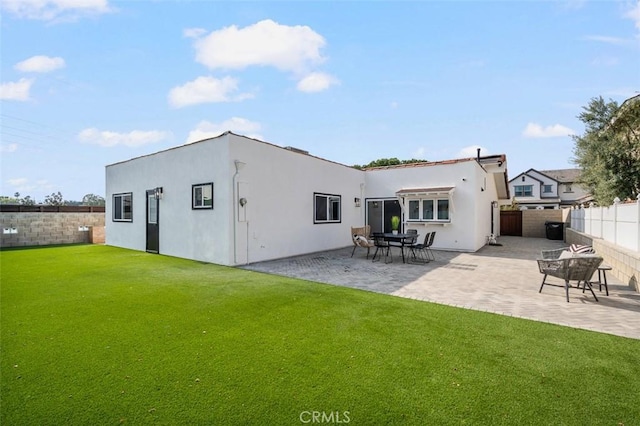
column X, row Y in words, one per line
column 533, row 221
column 625, row 263
column 19, row 229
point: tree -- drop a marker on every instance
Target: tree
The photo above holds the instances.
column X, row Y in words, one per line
column 27, row 201
column 54, row 199
column 92, row 200
column 16, row 199
column 609, row 151
column 381, row 162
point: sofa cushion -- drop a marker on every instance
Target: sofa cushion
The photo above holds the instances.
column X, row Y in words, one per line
column 580, row 249
column 566, row 254
column 361, row 241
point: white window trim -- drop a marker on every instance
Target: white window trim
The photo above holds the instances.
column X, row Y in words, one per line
column 122, row 212
column 515, row 190
column 435, row 209
column 328, row 197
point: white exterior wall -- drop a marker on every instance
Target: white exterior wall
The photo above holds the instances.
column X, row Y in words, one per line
column 545, row 180
column 528, row 180
column 279, row 186
column 194, row 234
column 470, row 208
column 578, row 192
column 485, row 210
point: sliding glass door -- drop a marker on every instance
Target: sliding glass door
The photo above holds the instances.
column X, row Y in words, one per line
column 379, row 213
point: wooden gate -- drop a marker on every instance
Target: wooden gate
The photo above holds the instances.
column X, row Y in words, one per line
column 511, row 222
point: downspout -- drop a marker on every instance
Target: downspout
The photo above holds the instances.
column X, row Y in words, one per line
column 239, row 164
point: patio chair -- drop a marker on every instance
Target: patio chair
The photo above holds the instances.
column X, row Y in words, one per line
column 361, row 238
column 419, row 252
column 429, row 244
column 573, row 248
column 382, row 246
column 579, row 268
column 553, row 254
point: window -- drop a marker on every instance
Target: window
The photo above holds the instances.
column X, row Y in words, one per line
column 152, row 206
column 523, row 190
column 443, row 209
column 547, row 188
column 414, row 209
column 326, row 208
column 427, row 210
column 202, row 196
column 122, row 207
column 567, row 188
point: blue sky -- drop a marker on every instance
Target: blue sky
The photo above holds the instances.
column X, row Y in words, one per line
column 86, row 83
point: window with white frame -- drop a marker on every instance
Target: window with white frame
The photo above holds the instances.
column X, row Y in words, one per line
column 122, row 207
column 547, row 189
column 523, row 190
column 429, row 210
column 326, row 208
column 202, row 196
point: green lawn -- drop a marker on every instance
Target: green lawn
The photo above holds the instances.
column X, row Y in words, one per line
column 99, row 335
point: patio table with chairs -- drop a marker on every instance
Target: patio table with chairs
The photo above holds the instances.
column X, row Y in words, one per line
column 417, row 252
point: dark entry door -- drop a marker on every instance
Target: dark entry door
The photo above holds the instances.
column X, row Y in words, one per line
column 511, row 222
column 153, row 230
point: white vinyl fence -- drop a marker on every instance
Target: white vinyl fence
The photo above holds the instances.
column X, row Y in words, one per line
column 619, row 224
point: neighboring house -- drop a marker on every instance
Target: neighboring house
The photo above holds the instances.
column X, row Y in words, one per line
column 234, row 200
column 548, row 189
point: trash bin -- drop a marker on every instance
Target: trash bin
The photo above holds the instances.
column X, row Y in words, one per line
column 555, row 230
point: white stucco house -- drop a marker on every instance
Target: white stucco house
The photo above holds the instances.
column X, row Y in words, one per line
column 548, row 189
column 234, row 200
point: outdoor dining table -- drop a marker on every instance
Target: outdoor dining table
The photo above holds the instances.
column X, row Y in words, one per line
column 404, row 240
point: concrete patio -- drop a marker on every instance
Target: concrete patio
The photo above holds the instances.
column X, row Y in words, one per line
column 500, row 279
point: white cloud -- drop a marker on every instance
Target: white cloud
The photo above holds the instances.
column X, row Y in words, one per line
column 206, row 129
column 634, row 15
column 472, row 151
column 535, row 130
column 265, row 43
column 134, row 138
column 25, row 185
column 48, row 10
column 607, row 39
column 11, row 147
column 205, row 90
column 16, row 91
column 193, row 32
column 316, row 82
column 40, row 63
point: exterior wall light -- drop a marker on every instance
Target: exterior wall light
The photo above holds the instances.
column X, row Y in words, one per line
column 357, row 201
column 158, row 193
